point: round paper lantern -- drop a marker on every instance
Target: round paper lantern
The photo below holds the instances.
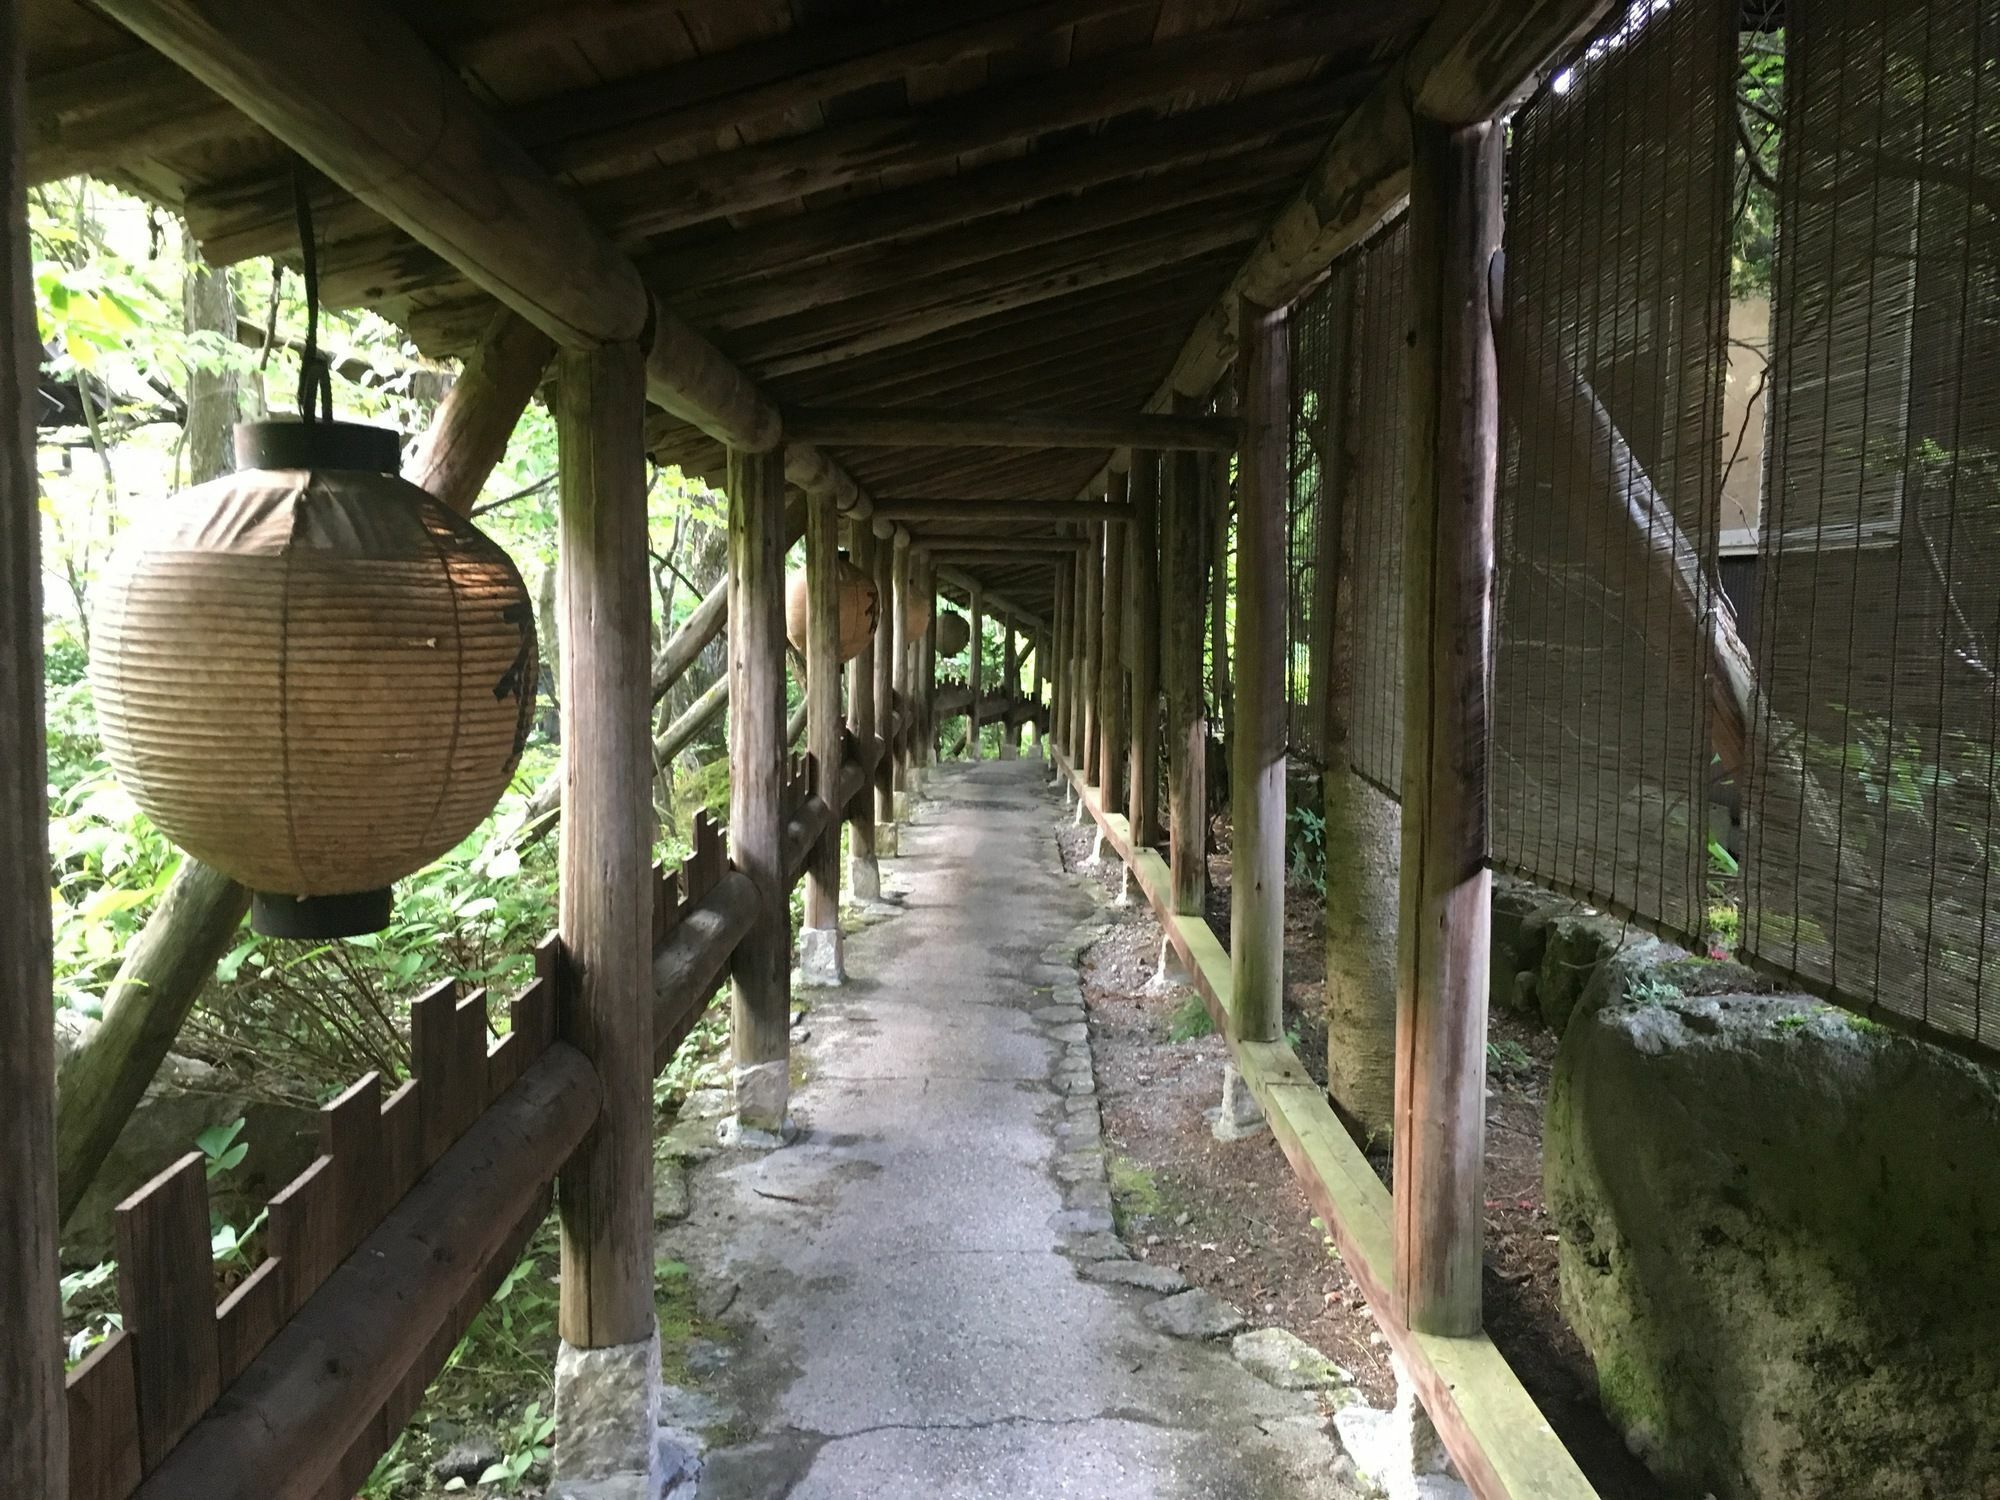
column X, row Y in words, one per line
column 313, row 676
column 952, row 633
column 916, row 613
column 858, row 608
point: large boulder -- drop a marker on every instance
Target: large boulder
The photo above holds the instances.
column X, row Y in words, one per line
column 1781, row 1245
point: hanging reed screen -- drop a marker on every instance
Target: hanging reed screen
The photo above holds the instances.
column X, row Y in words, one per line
column 1612, row 365
column 1318, row 334
column 1872, row 821
column 1375, row 492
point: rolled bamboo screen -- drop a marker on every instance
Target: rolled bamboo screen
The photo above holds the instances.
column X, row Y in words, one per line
column 859, row 609
column 316, row 682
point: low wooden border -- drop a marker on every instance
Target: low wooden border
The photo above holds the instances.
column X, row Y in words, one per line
column 1502, row 1444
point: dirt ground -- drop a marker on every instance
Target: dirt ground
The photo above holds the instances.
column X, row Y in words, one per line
column 1233, row 1218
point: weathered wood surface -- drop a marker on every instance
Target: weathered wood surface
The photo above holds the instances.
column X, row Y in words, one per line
column 864, row 870
column 890, row 599
column 760, row 969
column 1142, row 612
column 1043, row 511
column 1257, row 735
column 1451, row 468
column 1183, row 572
column 478, row 415
column 975, row 673
column 921, row 428
column 606, row 910
column 314, row 1390
column 1001, row 548
column 1112, row 721
column 33, row 1456
column 823, row 718
column 904, row 656
column 1010, row 681
column 1090, row 689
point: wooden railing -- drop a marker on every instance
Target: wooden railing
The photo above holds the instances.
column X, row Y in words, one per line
column 383, row 1250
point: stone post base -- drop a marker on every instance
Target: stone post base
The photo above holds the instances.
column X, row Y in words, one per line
column 1126, row 884
column 1007, row 750
column 903, row 806
column 1082, row 811
column 1169, row 972
column 763, row 1093
column 608, row 1424
column 822, row 959
column 864, row 879
column 885, row 841
column 1400, row 1450
column 1239, row 1114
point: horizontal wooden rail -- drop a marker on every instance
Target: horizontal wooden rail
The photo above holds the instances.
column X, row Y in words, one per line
column 1502, row 1444
column 283, row 1426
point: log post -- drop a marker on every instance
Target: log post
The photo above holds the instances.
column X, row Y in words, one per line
column 1257, row 730
column 1142, row 615
column 1183, row 532
column 1059, row 670
column 1363, row 825
column 926, row 675
column 820, row 959
column 34, row 1445
column 905, row 657
column 1088, row 695
column 975, row 672
column 1453, row 438
column 1010, row 679
column 1112, row 750
column 605, row 918
column 760, row 969
column 864, row 871
column 1073, row 739
column 887, row 709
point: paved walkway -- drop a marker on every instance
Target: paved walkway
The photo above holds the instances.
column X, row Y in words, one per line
column 911, row 1287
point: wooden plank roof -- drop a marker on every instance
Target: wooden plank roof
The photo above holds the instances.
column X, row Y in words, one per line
column 994, row 204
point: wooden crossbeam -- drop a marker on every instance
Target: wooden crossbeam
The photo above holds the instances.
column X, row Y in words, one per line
column 1024, row 547
column 357, row 92
column 997, row 510
column 921, row 428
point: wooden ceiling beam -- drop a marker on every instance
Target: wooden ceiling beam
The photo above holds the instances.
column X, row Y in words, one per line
column 847, row 427
column 986, row 546
column 887, row 320
column 1043, row 511
column 357, row 92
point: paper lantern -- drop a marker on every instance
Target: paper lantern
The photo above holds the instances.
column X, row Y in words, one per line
column 952, row 633
column 859, row 608
column 916, row 613
column 313, row 676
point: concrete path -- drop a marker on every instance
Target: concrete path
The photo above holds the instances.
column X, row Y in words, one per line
column 908, row 1292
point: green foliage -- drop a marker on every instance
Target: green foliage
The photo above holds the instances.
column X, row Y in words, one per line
column 1305, row 855
column 1190, row 1020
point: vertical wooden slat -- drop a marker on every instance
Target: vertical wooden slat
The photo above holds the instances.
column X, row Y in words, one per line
column 823, row 722
column 1111, row 715
column 102, row 1407
column 33, row 1460
column 1183, row 533
column 402, row 1140
column 166, row 1290
column 253, row 1311
column 1142, row 613
column 1088, row 743
column 1257, row 732
column 604, row 998
column 305, row 1232
column 1453, row 436
column 433, row 1058
column 760, row 969
column 350, row 1132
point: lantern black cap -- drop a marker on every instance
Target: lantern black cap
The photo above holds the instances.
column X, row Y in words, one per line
column 292, row 444
column 320, row 917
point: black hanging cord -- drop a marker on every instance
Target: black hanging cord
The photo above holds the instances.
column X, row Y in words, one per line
column 315, row 373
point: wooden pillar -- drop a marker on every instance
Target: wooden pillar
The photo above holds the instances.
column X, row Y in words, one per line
column 819, row 935
column 1078, row 599
column 864, row 870
column 1093, row 650
column 926, row 670
column 606, row 903
column 1010, row 686
column 1183, row 532
column 903, row 678
column 1142, row 615
column 975, row 673
column 34, row 1446
column 1112, row 750
column 1059, row 663
column 1453, row 437
column 882, row 662
column 1257, row 733
column 760, row 970
column 477, row 417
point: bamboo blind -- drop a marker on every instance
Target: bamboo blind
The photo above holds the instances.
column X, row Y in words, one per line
column 1375, row 490
column 1872, row 817
column 1612, row 361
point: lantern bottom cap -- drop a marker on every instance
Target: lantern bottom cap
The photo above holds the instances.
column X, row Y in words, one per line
column 320, row 916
